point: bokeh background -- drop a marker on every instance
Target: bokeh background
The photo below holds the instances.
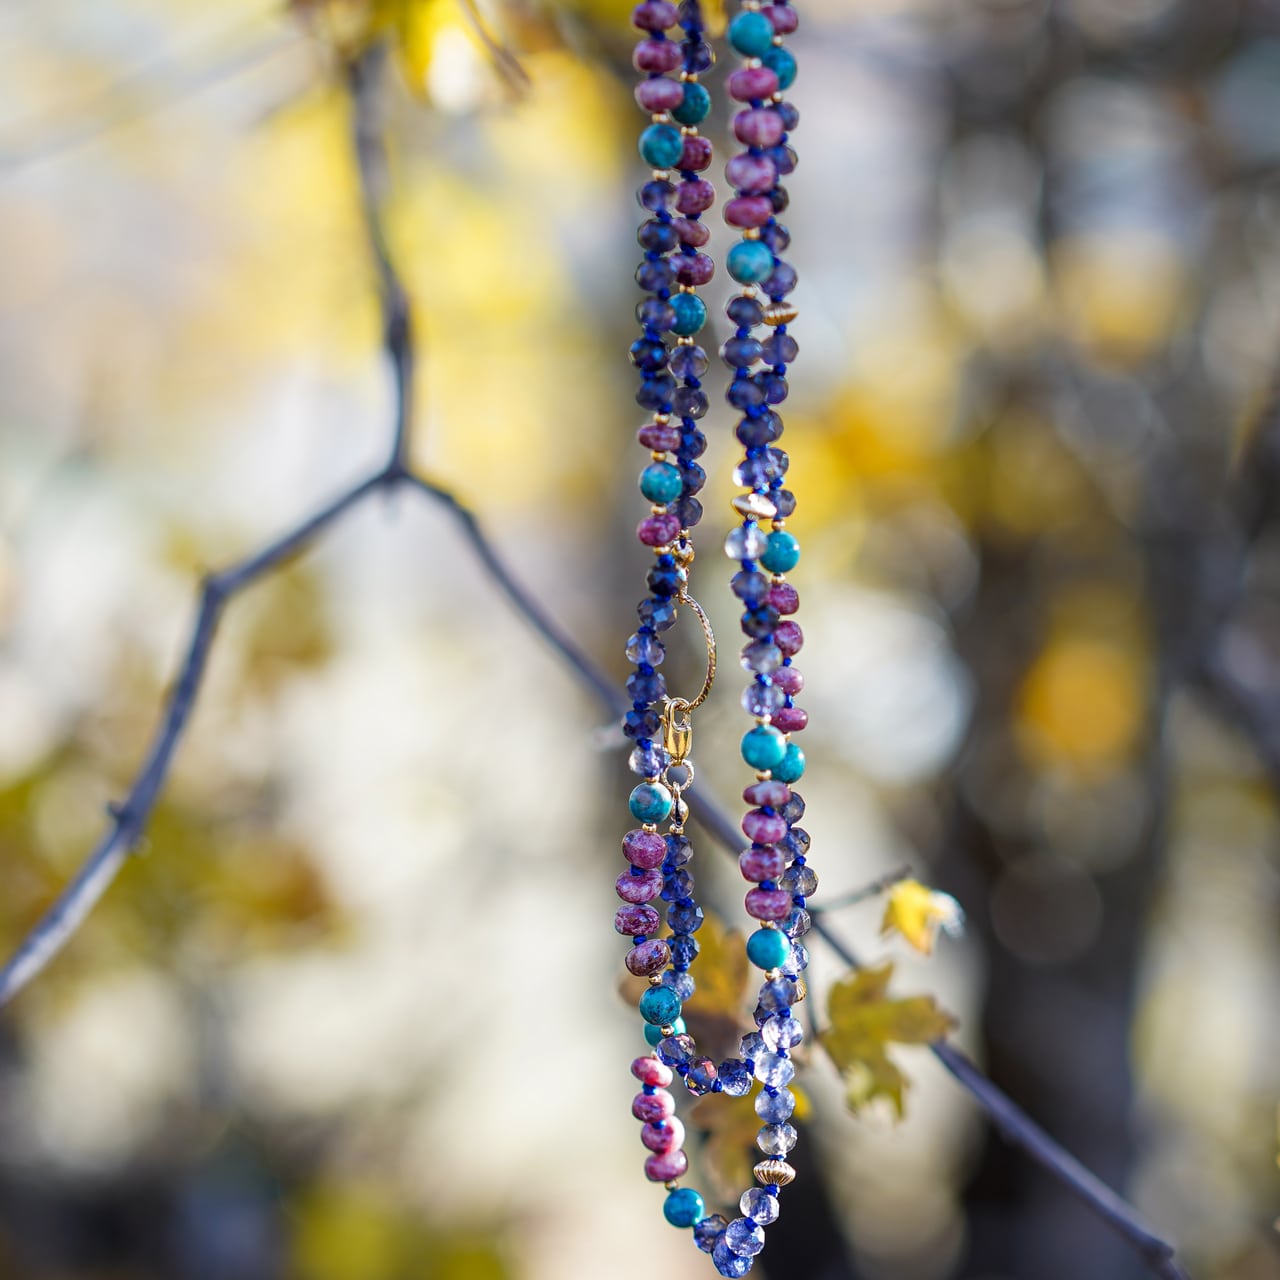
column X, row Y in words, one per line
column 354, row 1013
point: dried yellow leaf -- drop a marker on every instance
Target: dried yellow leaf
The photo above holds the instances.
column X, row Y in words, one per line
column 918, row 912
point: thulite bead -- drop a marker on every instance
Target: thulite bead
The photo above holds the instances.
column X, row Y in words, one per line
column 789, row 638
column 708, row 1232
column 654, row 15
column 660, row 1005
column 772, row 795
column 634, row 920
column 749, row 211
column 649, row 957
column 751, row 34
column 783, row 552
column 791, row 719
column 656, row 55
column 655, row 1106
column 694, row 196
column 767, row 948
column 759, row 127
column 695, row 234
column 782, row 17
column 751, row 174
column 750, row 84
column 694, row 104
column 659, row 94
column 660, row 439
column 784, row 597
column 666, row 1166
column 728, row 1263
column 695, row 154
column 683, row 1207
column 763, row 747
column 782, row 63
column 660, row 481
column 644, row 848
column 749, row 261
column 695, row 269
column 691, row 315
column 661, row 144
column 667, row 1136
column 762, row 862
column 789, row 679
column 768, row 904
column 764, row 828
column 792, row 767
column 641, row 888
column 657, row 531
column 649, row 1070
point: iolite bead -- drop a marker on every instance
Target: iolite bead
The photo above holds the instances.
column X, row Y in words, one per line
column 690, row 312
column 683, row 1207
column 661, row 145
column 767, row 948
column 749, row 262
column 751, row 34
column 791, row 768
column 694, row 105
column 708, row 1232
column 650, row 802
column 763, row 747
column 660, row 482
column 783, row 552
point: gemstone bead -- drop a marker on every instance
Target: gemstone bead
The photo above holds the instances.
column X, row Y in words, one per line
column 695, row 155
column 746, row 542
column 759, row 1205
column 660, row 481
column 642, row 888
column 668, row 1135
column 728, row 1263
column 792, row 767
column 801, row 880
column 660, row 1006
column 776, row 1139
column 650, row 802
column 763, row 747
column 656, row 56
column 783, row 552
column 684, row 917
column 751, row 174
column 774, row 1108
column 763, row 658
column 767, row 949
column 782, row 63
column 679, row 850
column 751, row 34
column 695, row 103
column 735, row 1077
column 749, row 211
column 708, row 1232
column 762, row 828
column 777, row 996
column 653, row 1035
column 648, row 759
column 767, row 794
column 647, row 648
column 748, row 84
column 682, row 984
column 692, row 233
column 683, row 1207
column 694, row 196
column 701, row 1076
column 763, row 862
column 763, row 700
column 791, row 719
column 657, row 531
column 758, row 127
column 744, row 1237
column 768, row 904
column 666, row 1165
column 648, row 957
column 773, row 1070
column 749, row 261
column 689, row 361
column 661, row 144
column 789, row 637
column 691, row 315
column 798, row 960
column 655, row 1106
column 659, row 94
column 751, row 1046
column 790, row 680
column 630, row 921
column 649, row 1070
column 677, row 1050
column 782, row 17
column 782, row 1032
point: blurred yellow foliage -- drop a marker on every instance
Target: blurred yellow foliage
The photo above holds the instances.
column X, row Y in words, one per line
column 918, row 912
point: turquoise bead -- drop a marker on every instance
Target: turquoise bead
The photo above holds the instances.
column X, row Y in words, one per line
column 661, row 145
column 660, row 482
column 791, row 768
column 653, row 1034
column 660, row 1006
column 782, row 63
column 650, row 802
column 749, row 261
column 683, row 1207
column 782, row 554
column 768, row 949
column 763, row 747
column 751, row 34
column 691, row 313
column 694, row 106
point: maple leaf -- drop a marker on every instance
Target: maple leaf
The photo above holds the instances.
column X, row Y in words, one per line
column 865, row 1021
column 917, row 912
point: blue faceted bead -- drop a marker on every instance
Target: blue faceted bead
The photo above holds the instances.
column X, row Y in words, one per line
column 676, row 1050
column 708, row 1232
column 679, row 850
column 684, row 950
column 657, row 613
column 645, row 647
column 660, row 237
column 759, row 1205
column 760, row 622
column 785, row 501
column 797, row 841
column 757, row 432
column 773, row 1070
column 685, row 917
column 699, row 57
column 798, row 960
column 682, row 984
column 688, row 361
column 641, row 724
column 782, row 1032
column 778, row 995
column 678, row 885
column 763, row 658
column 666, row 581
column 694, row 477
column 780, row 348
column 655, row 392
column 745, row 312
column 793, row 811
column 693, row 444
column 690, row 402
column 646, row 688
column 656, row 194
column 776, row 1139
column 683, row 1207
column 743, row 393
column 750, row 586
column 648, row 354
column 648, row 759
column 701, row 1076
column 790, row 115
column 688, row 511
column 735, row 1077
column 797, row 924
column 728, row 1263
column 653, row 277
column 751, row 1046
column 744, row 1237
column 776, row 1107
column 762, row 699
column 741, row 353
column 776, row 236
column 782, row 280
column 775, row 387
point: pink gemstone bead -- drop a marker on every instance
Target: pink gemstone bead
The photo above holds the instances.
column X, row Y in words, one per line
column 692, row 233
column 650, row 1071
column 752, row 175
column 648, row 957
column 659, row 95
column 758, row 127
column 654, row 15
column 696, row 155
column 763, row 862
column 644, row 848
column 652, row 1107
column 789, row 638
column 790, row 719
column 661, row 55
column 746, row 83
column 772, row 795
column 665, row 1167
column 657, row 531
column 667, row 1137
column 695, row 196
column 768, row 904
column 694, row 268
column 784, row 597
column 635, row 920
column 659, row 439
column 783, row 18
column 642, row 888
column 763, row 828
column 748, row 211
column 789, row 679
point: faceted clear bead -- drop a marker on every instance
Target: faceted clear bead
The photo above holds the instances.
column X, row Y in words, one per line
column 797, row 960
column 797, row 924
column 643, row 647
column 762, row 699
column 744, row 1238
column 774, row 1108
column 760, row 1205
column 798, row 839
column 801, row 880
column 700, row 1076
column 735, row 1077
column 762, row 657
column 681, row 983
column 648, row 761
column 782, row 1032
column 675, row 1050
column 728, row 1263
column 776, row 1139
column 746, row 542
column 778, row 995
column 685, row 917
column 772, row 1069
column 752, row 1046
column 679, row 850
column 678, row 884
column 708, row 1231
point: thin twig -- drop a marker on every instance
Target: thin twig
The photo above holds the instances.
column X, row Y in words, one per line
column 873, row 890
column 505, row 62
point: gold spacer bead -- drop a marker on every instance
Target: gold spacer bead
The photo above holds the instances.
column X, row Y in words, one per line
column 778, row 523
column 751, row 233
column 655, row 979
column 672, row 1185
column 780, row 313
column 768, row 924
column 773, row 975
column 658, row 456
column 661, row 419
column 774, row 1173
column 802, row 990
column 667, row 1031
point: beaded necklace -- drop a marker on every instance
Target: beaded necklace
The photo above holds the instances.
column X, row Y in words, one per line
column 661, row 725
